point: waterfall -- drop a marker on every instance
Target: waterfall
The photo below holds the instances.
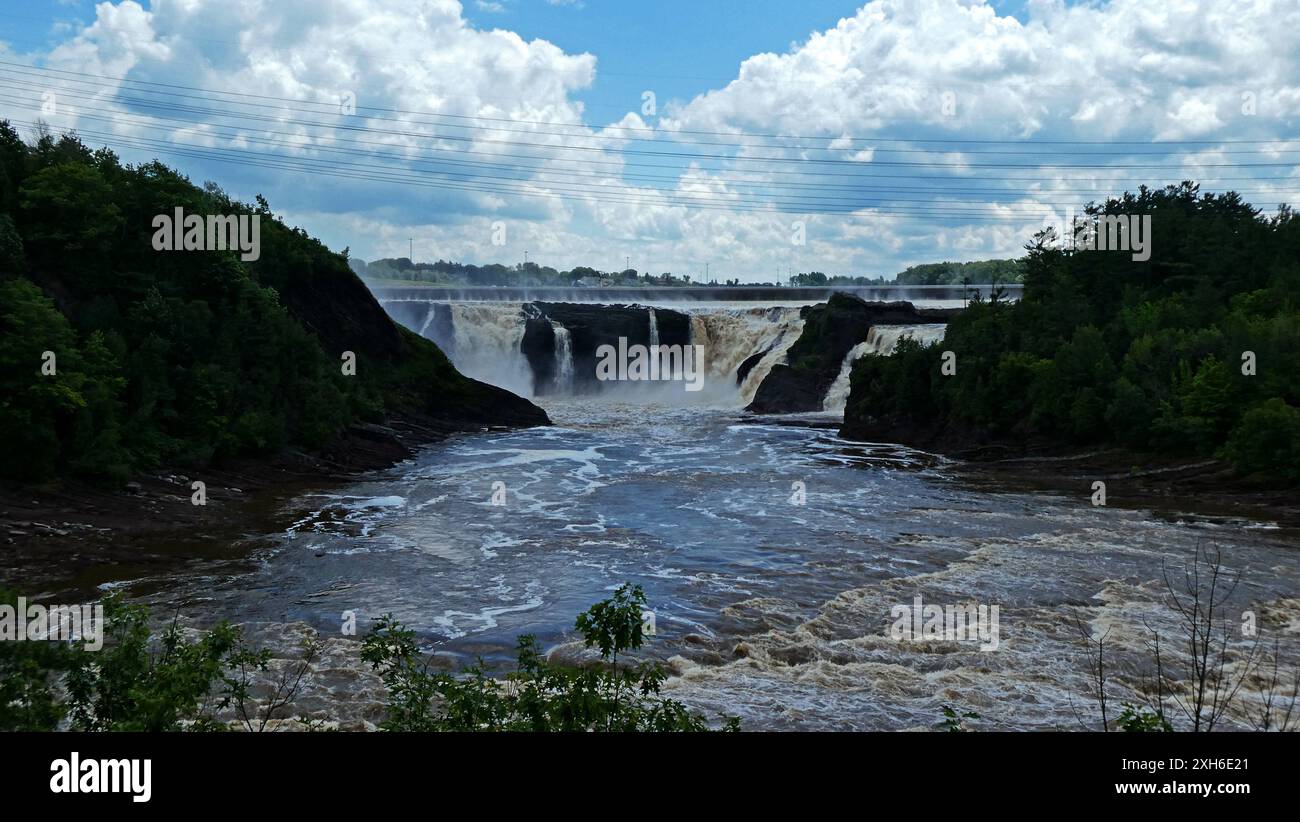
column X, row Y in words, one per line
column 428, row 319
column 789, row 328
column 881, row 340
column 484, row 341
column 732, row 335
column 564, row 356
column 838, row 394
column 487, row 345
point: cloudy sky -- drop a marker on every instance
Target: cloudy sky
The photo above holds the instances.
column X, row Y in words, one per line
column 757, row 137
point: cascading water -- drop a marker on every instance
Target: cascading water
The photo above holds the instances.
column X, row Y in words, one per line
column 428, row 319
column 837, row 396
column 564, row 357
column 741, row 346
column 881, row 339
column 731, row 336
column 789, row 327
column 487, row 342
column 884, row 338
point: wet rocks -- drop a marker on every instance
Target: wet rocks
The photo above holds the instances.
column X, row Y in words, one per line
column 590, row 326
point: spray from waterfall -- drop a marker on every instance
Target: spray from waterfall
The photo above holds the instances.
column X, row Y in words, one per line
column 488, row 339
column 654, row 327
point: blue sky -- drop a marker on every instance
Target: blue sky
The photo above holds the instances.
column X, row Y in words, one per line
column 906, row 130
column 651, row 46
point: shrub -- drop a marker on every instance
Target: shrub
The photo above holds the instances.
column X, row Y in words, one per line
column 1267, row 440
column 536, row 696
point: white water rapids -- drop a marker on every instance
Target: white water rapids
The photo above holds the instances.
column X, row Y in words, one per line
column 773, row 554
column 771, row 606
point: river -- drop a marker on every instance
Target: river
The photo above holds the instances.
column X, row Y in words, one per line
column 769, row 603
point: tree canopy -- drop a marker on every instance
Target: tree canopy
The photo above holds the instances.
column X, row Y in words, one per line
column 1194, row 351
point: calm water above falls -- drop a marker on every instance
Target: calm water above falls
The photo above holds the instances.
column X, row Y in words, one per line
column 778, row 612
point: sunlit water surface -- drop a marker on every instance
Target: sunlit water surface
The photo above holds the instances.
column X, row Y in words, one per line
column 771, row 553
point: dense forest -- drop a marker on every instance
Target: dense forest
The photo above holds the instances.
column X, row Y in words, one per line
column 1195, row 351
column 979, row 271
column 444, row 272
column 115, row 357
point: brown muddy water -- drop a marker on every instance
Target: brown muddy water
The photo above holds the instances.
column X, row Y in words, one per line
column 774, row 556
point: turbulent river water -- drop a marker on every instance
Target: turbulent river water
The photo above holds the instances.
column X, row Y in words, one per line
column 773, row 553
column 772, row 607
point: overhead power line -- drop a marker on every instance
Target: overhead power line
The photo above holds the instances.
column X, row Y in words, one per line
column 665, row 132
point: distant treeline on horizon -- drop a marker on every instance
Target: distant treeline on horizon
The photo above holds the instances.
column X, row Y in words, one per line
column 444, row 272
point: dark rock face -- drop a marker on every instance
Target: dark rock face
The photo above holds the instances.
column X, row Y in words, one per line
column 539, row 349
column 787, row 390
column 830, row 331
column 330, row 300
column 441, row 329
column 748, row 365
column 481, row 406
column 674, row 327
column 590, row 327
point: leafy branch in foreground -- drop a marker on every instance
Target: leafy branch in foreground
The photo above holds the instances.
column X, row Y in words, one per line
column 140, row 681
column 954, row 722
column 1136, row 719
column 134, row 684
column 537, row 695
column 28, row 673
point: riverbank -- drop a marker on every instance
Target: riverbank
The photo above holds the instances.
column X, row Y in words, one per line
column 1198, row 486
column 1132, row 479
column 68, row 537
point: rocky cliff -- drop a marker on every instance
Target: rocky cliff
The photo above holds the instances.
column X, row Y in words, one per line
column 830, row 331
column 589, row 327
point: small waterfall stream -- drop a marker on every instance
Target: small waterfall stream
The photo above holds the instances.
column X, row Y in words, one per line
column 564, row 357
column 881, row 339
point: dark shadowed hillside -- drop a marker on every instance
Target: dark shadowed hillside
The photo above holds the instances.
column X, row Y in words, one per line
column 116, row 357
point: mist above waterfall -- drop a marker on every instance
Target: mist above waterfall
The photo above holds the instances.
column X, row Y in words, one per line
column 486, row 338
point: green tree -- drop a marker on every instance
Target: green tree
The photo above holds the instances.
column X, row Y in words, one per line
column 1267, row 440
column 136, row 684
column 536, row 695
